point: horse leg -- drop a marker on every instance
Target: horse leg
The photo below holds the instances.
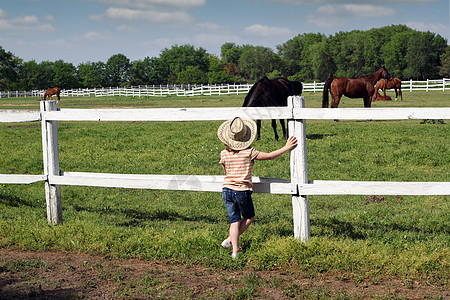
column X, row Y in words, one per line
column 335, row 102
column 400, row 93
column 258, row 130
column 396, row 95
column 274, row 126
column 284, row 129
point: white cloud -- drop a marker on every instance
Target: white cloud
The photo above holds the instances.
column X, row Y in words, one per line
column 23, row 23
column 25, row 20
column 93, row 36
column 147, row 4
column 211, row 27
column 97, row 18
column 335, row 16
column 315, row 2
column 267, row 31
column 146, row 15
column 49, row 18
column 3, row 14
column 439, row 28
column 355, row 10
column 216, row 39
column 126, row 29
column 162, row 43
column 323, row 22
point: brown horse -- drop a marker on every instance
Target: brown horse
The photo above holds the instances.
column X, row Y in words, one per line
column 378, row 96
column 52, row 91
column 272, row 92
column 362, row 87
column 384, row 85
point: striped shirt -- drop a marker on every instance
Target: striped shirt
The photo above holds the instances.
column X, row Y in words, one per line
column 238, row 168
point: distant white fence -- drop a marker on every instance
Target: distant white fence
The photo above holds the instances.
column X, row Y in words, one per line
column 206, row 90
column 298, row 185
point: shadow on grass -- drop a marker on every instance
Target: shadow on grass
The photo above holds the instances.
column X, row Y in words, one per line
column 139, row 218
column 337, row 228
column 14, row 201
column 317, row 136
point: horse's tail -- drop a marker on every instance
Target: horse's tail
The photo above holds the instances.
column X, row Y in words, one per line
column 326, row 87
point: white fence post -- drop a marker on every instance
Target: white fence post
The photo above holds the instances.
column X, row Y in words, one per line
column 51, row 163
column 299, row 172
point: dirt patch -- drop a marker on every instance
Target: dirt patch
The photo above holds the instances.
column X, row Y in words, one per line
column 56, row 275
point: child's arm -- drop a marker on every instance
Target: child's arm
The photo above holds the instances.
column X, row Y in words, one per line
column 291, row 143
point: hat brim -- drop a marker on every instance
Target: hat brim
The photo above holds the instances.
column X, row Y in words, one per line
column 224, row 135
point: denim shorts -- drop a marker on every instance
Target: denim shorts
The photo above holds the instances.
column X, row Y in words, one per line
column 237, row 203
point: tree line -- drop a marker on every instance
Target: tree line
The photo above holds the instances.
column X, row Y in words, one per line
column 406, row 53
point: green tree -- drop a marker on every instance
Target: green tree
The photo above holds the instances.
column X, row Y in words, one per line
column 423, row 55
column 9, row 70
column 230, row 53
column 29, row 75
column 178, row 58
column 394, row 53
column 256, row 62
column 139, row 72
column 64, row 75
column 148, row 71
column 444, row 70
column 91, row 74
column 192, row 75
column 321, row 60
column 47, row 74
column 297, row 54
column 117, row 70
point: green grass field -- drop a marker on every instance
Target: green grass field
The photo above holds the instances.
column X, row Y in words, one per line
column 404, row 237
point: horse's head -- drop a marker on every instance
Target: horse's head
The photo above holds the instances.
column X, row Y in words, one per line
column 384, row 73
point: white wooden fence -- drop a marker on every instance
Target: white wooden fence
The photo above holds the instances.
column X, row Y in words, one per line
column 298, row 186
column 206, row 90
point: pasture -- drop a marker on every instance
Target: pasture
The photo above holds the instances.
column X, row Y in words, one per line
column 365, row 240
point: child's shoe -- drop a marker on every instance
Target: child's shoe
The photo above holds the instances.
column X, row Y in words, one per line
column 236, row 255
column 226, row 244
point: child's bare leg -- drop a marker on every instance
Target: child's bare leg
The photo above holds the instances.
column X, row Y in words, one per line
column 236, row 229
column 234, row 235
column 245, row 223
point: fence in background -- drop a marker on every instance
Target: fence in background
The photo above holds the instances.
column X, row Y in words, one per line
column 205, row 90
column 298, row 186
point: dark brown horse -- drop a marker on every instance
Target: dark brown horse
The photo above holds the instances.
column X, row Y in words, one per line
column 385, row 84
column 272, row 92
column 362, row 87
column 52, row 91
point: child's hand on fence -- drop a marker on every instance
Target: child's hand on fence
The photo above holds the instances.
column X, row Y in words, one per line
column 291, row 142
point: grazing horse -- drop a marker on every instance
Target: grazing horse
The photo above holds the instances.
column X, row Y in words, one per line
column 385, row 84
column 362, row 87
column 272, row 92
column 52, row 91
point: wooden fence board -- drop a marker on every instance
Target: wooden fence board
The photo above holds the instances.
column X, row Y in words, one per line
column 169, row 114
column 385, row 113
column 21, row 179
column 8, row 116
column 205, row 183
column 331, row 187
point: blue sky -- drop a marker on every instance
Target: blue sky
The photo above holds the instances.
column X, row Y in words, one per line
column 79, row 31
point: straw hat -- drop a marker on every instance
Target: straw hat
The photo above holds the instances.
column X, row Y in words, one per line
column 237, row 134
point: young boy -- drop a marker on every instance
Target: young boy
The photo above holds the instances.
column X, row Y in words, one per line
column 237, row 161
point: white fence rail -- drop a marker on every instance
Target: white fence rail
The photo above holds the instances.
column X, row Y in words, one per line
column 206, row 90
column 298, row 186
